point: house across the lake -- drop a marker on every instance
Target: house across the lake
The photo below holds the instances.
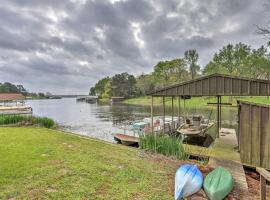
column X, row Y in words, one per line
column 13, row 103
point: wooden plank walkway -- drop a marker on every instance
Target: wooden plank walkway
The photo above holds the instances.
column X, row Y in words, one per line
column 225, row 154
column 240, row 183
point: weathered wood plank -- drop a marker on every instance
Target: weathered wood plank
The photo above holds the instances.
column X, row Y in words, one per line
column 237, row 171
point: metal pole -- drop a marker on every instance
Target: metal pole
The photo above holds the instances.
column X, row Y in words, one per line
column 163, row 100
column 152, row 120
column 172, row 115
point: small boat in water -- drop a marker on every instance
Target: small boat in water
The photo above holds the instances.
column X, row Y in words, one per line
column 188, row 180
column 127, row 140
column 196, row 126
column 218, row 184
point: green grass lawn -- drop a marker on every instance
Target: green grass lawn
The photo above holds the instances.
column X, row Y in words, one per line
column 194, row 101
column 39, row 163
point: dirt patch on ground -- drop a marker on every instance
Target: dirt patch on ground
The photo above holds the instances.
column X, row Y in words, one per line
column 253, row 181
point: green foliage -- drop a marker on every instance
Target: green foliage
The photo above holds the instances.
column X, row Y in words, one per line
column 170, row 72
column 29, row 120
column 8, row 88
column 166, row 145
column 192, row 58
column 145, row 84
column 45, row 122
column 124, row 85
column 11, row 119
column 240, row 60
column 99, row 87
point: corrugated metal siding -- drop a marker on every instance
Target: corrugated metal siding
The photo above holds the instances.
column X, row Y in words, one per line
column 254, row 134
column 217, row 84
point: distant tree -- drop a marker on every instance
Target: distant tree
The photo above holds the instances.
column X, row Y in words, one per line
column 99, row 87
column 8, row 88
column 21, row 89
column 170, row 72
column 179, row 69
column 192, row 58
column 107, row 90
column 123, row 84
column 255, row 63
column 162, row 72
column 41, row 95
column 145, row 84
column 229, row 60
column 265, row 30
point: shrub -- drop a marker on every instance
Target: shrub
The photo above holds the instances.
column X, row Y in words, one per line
column 10, row 119
column 166, row 145
column 30, row 120
column 46, row 122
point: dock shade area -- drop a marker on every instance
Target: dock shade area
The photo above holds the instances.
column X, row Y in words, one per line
column 216, row 85
column 254, row 134
column 13, row 103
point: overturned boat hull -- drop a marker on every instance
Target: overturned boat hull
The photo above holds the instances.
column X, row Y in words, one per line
column 188, row 180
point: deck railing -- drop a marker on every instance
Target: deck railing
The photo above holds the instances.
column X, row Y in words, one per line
column 264, row 175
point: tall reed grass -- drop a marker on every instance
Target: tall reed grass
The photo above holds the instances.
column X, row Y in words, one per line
column 26, row 120
column 163, row 144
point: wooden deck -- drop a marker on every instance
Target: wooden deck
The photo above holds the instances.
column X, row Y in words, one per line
column 225, row 154
column 240, row 183
column 226, row 146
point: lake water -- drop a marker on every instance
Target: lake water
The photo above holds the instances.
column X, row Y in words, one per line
column 101, row 120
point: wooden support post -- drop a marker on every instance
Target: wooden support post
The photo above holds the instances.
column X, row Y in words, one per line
column 264, row 175
column 152, row 120
column 172, row 126
column 163, row 100
column 178, row 113
column 220, row 112
column 218, row 117
column 262, row 188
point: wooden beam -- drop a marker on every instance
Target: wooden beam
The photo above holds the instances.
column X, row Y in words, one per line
column 263, row 172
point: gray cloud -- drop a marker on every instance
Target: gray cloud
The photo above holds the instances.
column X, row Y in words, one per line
column 66, row 46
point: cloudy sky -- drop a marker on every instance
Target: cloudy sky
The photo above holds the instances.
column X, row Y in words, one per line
column 65, row 46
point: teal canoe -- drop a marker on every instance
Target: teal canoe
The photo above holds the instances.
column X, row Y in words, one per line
column 218, row 184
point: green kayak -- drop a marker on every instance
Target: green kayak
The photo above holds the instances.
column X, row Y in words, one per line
column 218, row 184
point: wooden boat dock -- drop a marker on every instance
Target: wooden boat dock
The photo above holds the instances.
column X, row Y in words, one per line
column 15, row 110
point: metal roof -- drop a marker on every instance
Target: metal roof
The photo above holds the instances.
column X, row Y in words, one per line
column 217, row 85
column 11, row 96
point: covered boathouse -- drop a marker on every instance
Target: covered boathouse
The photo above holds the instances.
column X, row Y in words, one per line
column 216, row 85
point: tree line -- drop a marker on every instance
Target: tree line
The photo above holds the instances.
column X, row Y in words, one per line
column 7, row 87
column 233, row 59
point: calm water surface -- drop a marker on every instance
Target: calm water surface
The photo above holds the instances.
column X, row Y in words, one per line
column 101, row 120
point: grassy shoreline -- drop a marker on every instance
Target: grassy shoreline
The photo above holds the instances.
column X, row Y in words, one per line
column 194, row 101
column 49, row 164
